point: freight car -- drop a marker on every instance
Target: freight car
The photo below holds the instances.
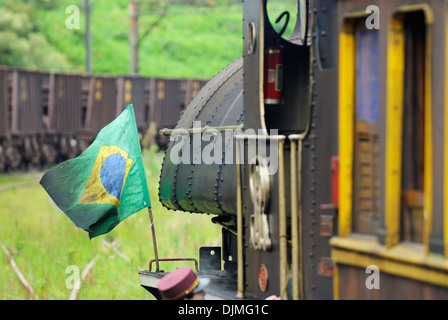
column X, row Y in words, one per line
column 345, row 195
column 49, row 117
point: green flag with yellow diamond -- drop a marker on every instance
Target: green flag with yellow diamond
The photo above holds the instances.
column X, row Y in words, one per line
column 106, row 183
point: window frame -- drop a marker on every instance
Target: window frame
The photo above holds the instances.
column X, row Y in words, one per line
column 393, row 125
column 347, row 117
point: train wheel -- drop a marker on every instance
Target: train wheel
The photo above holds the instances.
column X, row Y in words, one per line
column 49, row 154
column 2, row 160
column 150, row 137
column 13, row 158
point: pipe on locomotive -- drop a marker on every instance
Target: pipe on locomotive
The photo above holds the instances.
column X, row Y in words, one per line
column 282, row 214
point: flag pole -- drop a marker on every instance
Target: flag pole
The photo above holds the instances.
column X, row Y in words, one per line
column 154, row 242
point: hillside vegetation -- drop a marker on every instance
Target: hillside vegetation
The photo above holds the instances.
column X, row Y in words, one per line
column 195, row 38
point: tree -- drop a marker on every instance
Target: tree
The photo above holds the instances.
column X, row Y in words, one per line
column 22, row 46
column 136, row 9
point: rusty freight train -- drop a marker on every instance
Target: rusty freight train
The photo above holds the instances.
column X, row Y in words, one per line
column 47, row 117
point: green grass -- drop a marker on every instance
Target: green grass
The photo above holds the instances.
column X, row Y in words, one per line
column 45, row 242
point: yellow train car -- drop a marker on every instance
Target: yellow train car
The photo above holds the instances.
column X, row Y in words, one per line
column 392, row 182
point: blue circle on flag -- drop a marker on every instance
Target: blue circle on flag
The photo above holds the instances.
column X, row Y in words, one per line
column 112, row 174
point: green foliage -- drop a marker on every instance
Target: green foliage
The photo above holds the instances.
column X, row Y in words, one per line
column 21, row 46
column 196, row 38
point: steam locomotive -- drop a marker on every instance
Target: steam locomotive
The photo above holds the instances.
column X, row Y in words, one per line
column 323, row 155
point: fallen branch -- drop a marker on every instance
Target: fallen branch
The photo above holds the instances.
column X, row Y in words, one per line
column 17, row 185
column 114, row 246
column 85, row 272
column 16, row 269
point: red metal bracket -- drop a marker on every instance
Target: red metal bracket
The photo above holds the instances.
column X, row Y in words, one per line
column 174, row 259
column 335, row 181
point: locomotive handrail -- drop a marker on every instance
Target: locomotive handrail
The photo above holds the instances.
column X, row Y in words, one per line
column 296, row 214
column 258, row 136
column 168, row 132
column 174, row 259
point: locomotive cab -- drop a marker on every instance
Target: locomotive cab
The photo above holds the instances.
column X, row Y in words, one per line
column 286, row 215
column 252, row 157
column 340, row 162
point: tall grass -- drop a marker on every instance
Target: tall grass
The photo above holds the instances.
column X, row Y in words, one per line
column 44, row 242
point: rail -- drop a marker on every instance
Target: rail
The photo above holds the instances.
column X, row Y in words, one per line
column 174, row 259
column 167, row 132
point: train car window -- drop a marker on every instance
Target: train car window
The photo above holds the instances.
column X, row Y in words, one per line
column 366, row 129
column 413, row 128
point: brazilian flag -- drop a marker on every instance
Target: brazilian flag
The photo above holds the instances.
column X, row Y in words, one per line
column 106, row 183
